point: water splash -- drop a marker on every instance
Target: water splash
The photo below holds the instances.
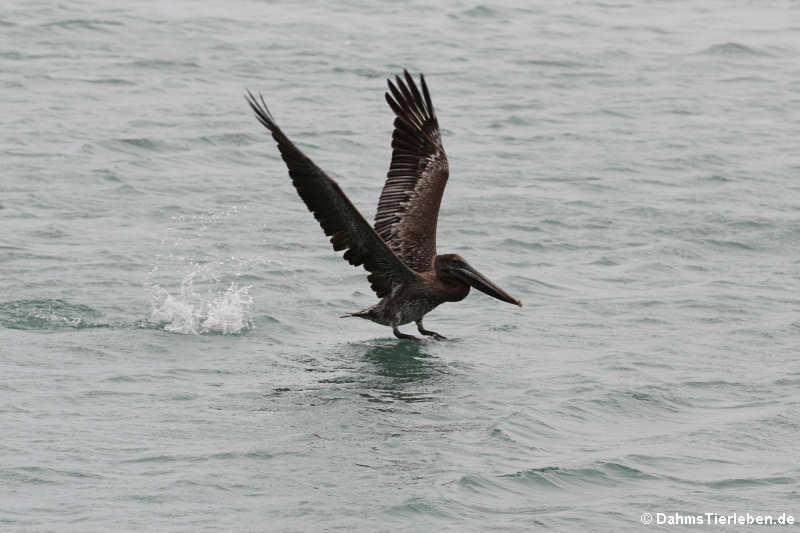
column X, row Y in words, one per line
column 208, row 299
column 226, row 312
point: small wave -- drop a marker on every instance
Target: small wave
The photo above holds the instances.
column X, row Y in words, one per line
column 144, row 143
column 604, row 261
column 419, row 507
column 516, row 243
column 227, row 312
column 538, row 477
column 736, row 245
column 362, row 71
column 49, row 232
column 163, row 63
column 137, row 145
column 750, row 482
column 732, row 49
column 746, row 79
column 47, row 314
column 87, row 24
column 715, row 178
column 109, row 81
column 552, row 63
column 600, row 473
column 229, row 139
column 479, row 11
column 257, row 454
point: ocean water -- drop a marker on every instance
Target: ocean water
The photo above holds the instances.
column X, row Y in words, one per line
column 171, row 357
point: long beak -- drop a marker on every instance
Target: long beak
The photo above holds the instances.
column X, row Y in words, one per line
column 472, row 277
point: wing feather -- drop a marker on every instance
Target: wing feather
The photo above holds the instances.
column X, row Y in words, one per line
column 408, row 208
column 339, row 218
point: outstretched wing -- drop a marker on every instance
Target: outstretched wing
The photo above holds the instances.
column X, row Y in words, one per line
column 335, row 213
column 409, row 204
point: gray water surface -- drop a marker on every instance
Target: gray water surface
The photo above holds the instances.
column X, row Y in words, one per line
column 170, row 348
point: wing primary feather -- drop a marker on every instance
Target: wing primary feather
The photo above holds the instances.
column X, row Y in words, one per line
column 427, row 98
column 415, row 92
column 411, row 101
column 402, row 98
column 399, row 111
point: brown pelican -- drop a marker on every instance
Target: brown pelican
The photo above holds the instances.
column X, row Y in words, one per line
column 400, row 252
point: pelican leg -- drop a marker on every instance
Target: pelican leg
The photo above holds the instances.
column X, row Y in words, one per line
column 433, row 334
column 400, row 335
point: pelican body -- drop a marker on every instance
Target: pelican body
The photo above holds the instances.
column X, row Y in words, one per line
column 399, row 252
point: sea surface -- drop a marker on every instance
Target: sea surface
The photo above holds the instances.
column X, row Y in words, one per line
column 171, row 352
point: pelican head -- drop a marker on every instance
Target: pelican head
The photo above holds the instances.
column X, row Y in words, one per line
column 453, row 267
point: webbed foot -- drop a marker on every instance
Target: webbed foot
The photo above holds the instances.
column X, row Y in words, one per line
column 430, row 333
column 400, row 335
